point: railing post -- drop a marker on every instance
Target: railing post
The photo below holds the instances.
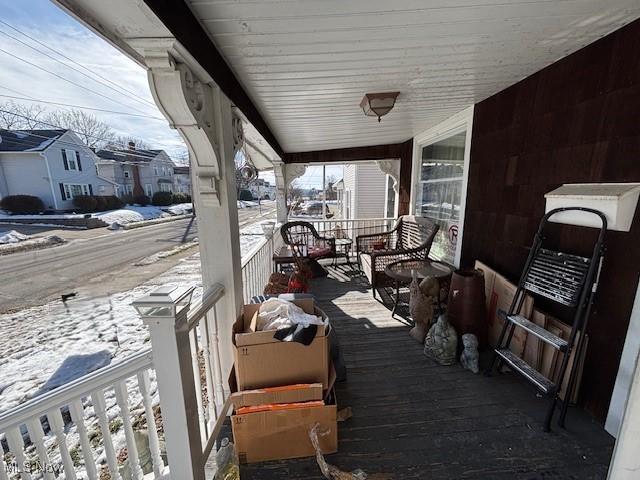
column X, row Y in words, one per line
column 164, row 311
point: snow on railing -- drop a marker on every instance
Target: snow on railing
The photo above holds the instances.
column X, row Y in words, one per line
column 70, row 430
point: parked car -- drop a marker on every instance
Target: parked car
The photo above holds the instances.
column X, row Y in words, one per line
column 315, row 209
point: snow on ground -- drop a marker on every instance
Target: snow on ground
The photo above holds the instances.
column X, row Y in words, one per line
column 179, row 208
column 30, row 244
column 43, row 337
column 247, row 203
column 131, row 213
column 13, row 237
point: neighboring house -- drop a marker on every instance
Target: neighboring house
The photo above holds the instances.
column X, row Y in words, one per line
column 182, row 179
column 53, row 165
column 363, row 192
column 137, row 172
column 262, row 188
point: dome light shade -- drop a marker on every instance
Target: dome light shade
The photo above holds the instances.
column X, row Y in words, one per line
column 378, row 104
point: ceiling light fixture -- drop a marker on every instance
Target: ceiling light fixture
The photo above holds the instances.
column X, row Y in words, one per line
column 378, row 104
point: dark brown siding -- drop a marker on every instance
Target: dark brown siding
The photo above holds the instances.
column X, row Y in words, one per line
column 577, row 120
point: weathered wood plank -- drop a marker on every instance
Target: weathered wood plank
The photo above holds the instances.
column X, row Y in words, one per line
column 415, row 419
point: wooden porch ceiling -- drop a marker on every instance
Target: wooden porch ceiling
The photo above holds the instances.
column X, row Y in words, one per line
column 300, row 68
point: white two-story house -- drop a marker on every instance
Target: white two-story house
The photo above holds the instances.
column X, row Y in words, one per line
column 54, row 165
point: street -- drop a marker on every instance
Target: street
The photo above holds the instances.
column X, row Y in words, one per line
column 98, row 265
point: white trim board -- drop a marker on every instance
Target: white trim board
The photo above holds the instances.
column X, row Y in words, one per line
column 625, row 371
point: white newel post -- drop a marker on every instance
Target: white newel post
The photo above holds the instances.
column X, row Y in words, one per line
column 197, row 108
column 164, row 311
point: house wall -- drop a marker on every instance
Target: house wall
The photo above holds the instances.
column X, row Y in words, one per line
column 165, row 165
column 370, row 191
column 574, row 121
column 26, row 174
column 349, row 179
column 88, row 175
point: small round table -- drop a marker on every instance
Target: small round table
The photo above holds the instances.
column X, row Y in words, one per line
column 403, row 271
column 343, row 248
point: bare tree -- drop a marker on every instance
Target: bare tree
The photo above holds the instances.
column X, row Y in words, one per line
column 93, row 132
column 20, row 116
column 121, row 142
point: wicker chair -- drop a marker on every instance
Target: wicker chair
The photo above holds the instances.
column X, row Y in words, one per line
column 411, row 238
column 305, row 242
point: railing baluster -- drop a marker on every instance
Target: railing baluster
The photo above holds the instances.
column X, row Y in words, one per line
column 217, row 363
column 193, row 341
column 4, row 468
column 100, row 408
column 144, row 385
column 36, row 434
column 57, row 427
column 77, row 415
column 16, row 445
column 132, row 451
column 208, row 373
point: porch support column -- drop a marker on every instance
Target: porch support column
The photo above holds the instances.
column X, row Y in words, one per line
column 625, row 464
column 406, row 162
column 281, row 191
column 198, row 109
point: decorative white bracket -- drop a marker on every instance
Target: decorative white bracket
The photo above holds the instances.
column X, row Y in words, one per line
column 293, row 171
column 186, row 97
column 392, row 168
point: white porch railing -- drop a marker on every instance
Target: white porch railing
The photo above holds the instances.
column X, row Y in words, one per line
column 353, row 227
column 47, row 435
column 257, row 267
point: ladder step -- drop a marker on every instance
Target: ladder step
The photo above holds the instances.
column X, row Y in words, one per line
column 535, row 329
column 527, row 371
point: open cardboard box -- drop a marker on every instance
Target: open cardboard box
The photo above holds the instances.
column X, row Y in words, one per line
column 264, row 361
column 282, row 434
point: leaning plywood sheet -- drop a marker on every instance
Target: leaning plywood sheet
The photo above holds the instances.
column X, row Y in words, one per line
column 499, row 298
column 533, row 347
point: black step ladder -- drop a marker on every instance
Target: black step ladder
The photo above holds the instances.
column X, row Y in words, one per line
column 569, row 280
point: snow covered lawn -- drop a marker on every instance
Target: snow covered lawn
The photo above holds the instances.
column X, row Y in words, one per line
column 13, row 237
column 30, row 244
column 130, row 214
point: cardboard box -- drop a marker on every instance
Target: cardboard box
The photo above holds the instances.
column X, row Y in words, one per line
column 499, row 294
column 263, row 361
column 286, row 394
column 282, row 434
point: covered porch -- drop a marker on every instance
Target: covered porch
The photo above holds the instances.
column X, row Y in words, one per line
column 482, row 85
column 413, row 418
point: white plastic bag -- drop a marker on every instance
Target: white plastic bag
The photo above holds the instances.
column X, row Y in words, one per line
column 275, row 314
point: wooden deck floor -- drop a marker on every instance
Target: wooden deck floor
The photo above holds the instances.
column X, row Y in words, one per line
column 415, row 419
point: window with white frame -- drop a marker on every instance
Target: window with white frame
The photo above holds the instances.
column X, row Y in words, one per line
column 72, row 190
column 128, row 189
column 155, row 171
column 126, row 174
column 439, row 192
column 148, row 189
column 165, row 187
column 71, row 160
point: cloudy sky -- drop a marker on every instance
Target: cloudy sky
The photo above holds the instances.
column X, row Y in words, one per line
column 32, row 73
column 20, row 75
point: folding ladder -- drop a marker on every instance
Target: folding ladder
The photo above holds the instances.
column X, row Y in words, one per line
column 569, row 280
